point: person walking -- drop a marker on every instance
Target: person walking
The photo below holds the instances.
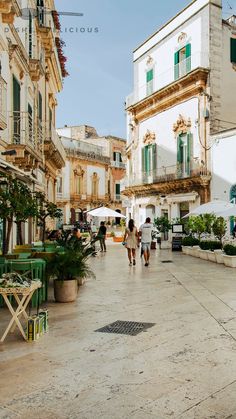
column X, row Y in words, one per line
column 131, row 240
column 102, row 236
column 146, row 238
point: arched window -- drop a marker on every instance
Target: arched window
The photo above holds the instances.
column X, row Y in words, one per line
column 95, row 182
column 78, row 174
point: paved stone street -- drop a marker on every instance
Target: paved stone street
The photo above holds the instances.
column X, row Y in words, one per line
column 183, row 367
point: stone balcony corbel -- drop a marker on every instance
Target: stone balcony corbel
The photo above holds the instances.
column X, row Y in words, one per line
column 35, row 69
column 5, row 6
column 9, row 9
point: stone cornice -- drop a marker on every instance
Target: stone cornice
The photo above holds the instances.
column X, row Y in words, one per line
column 184, row 88
column 174, row 186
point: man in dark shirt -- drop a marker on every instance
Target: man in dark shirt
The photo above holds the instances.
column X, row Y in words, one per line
column 102, row 236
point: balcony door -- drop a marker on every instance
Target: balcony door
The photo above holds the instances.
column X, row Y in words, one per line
column 16, row 111
column 149, row 157
column 184, row 154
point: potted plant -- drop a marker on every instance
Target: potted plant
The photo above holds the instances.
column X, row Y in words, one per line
column 163, row 225
column 190, row 246
column 69, row 267
column 230, row 255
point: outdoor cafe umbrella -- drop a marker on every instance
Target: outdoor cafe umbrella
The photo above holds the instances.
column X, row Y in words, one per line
column 105, row 212
column 212, row 207
column 230, row 212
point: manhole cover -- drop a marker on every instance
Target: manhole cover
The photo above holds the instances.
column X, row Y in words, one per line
column 125, row 328
column 166, row 261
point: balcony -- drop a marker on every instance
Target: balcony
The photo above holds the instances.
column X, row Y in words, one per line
column 88, row 152
column 118, row 164
column 169, row 179
column 10, row 8
column 26, row 135
column 63, row 196
column 3, row 104
column 162, row 81
column 53, row 148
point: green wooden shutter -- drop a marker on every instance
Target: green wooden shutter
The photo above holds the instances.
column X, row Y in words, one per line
column 114, row 156
column 40, row 105
column 117, row 189
column 149, row 75
column 154, row 157
column 189, row 152
column 233, row 50
column 16, row 95
column 30, row 35
column 188, row 57
column 147, row 159
column 143, row 159
column 179, row 150
column 176, row 67
column 16, row 112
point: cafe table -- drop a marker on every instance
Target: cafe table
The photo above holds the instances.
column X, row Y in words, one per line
column 22, row 297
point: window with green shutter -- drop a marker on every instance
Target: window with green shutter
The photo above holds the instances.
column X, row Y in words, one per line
column 149, row 158
column 233, row 50
column 30, row 35
column 184, row 155
column 16, row 111
column 149, row 82
column 182, row 61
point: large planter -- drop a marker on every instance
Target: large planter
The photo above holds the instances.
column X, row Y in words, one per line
column 211, row 256
column 187, row 250
column 219, row 256
column 65, row 291
column 195, row 251
column 229, row 261
column 203, row 254
column 184, row 249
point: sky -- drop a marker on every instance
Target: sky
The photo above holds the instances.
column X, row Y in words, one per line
column 99, row 56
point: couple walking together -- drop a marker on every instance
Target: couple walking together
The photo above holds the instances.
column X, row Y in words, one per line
column 131, row 238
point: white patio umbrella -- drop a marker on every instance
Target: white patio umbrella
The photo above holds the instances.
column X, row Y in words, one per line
column 230, row 212
column 212, row 207
column 105, row 212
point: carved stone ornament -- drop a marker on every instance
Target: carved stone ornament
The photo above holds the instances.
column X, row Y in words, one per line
column 182, row 38
column 78, row 171
column 149, row 62
column 182, row 125
column 149, row 137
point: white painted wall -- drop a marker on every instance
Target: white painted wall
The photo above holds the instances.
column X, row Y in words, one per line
column 223, row 167
column 102, row 179
column 162, row 125
column 162, row 52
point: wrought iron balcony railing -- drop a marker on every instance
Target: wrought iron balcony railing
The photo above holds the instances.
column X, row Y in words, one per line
column 118, row 164
column 3, row 103
column 52, row 136
column 25, row 130
column 169, row 173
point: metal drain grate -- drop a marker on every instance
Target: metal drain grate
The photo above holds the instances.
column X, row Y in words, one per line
column 167, row 261
column 125, row 328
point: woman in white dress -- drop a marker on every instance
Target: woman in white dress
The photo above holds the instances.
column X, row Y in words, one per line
column 131, row 241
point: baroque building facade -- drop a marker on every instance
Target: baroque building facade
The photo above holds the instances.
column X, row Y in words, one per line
column 184, row 80
column 31, row 74
column 93, row 174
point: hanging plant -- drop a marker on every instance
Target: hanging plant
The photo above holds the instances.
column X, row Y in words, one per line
column 62, row 58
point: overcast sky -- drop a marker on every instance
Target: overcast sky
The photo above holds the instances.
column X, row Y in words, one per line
column 99, row 53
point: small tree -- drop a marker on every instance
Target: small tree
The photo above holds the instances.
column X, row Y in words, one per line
column 16, row 204
column 45, row 210
column 219, row 228
column 201, row 224
column 162, row 224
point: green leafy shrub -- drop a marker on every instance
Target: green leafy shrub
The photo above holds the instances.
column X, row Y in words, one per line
column 190, row 241
column 112, row 234
column 219, row 228
column 230, row 250
column 210, row 245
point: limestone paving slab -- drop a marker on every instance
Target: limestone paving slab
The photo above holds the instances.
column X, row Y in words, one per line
column 183, row 367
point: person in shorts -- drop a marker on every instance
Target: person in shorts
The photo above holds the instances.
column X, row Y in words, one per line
column 146, row 238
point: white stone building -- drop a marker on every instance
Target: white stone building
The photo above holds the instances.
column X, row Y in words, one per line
column 184, row 83
column 31, row 75
column 93, row 173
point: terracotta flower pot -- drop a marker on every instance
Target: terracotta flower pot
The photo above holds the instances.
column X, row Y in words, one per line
column 118, row 239
column 65, row 291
